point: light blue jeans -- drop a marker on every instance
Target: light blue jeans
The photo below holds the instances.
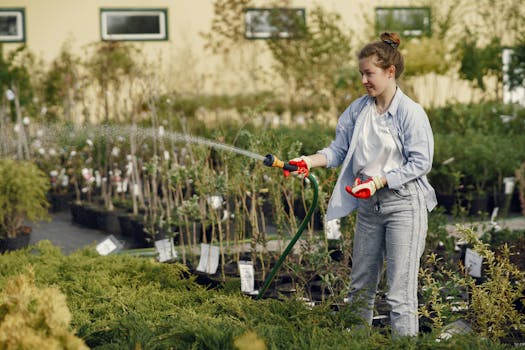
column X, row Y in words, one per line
column 390, row 225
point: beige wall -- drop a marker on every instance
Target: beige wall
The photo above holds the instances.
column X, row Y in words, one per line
column 186, row 66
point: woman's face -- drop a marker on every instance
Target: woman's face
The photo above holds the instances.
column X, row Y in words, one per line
column 375, row 79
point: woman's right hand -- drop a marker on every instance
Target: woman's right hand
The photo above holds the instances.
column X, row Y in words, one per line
column 303, row 167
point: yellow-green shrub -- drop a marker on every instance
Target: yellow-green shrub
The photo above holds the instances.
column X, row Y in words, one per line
column 35, row 318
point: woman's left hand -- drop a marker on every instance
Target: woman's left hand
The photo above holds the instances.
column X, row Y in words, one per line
column 365, row 189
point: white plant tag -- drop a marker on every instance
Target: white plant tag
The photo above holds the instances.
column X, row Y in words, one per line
column 109, row 245
column 215, row 201
column 509, row 182
column 209, row 260
column 136, row 190
column 166, row 249
column 473, row 262
column 247, row 276
column 333, row 229
column 457, row 327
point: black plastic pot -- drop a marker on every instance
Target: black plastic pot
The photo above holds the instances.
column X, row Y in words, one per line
column 59, row 201
column 107, row 221
column 447, row 202
column 126, row 229
column 20, row 241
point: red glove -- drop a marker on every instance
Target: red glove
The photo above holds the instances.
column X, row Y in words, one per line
column 303, row 165
column 365, row 189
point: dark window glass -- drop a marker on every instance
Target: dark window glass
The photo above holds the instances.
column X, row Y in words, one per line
column 8, row 25
column 274, row 23
column 133, row 24
column 409, row 21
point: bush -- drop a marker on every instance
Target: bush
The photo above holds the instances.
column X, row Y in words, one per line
column 123, row 302
column 23, row 190
column 35, row 318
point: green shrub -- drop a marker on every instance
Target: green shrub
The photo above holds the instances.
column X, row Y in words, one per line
column 23, row 189
column 123, row 302
column 491, row 311
column 35, row 318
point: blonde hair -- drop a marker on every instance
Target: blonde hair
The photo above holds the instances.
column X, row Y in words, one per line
column 386, row 52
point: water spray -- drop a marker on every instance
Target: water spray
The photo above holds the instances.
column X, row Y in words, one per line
column 269, row 160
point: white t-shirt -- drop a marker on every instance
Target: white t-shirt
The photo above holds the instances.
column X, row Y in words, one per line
column 376, row 152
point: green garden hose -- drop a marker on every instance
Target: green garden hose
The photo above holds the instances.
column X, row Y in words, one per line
column 294, row 240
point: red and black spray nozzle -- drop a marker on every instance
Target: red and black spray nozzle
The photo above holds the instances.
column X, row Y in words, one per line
column 272, row 160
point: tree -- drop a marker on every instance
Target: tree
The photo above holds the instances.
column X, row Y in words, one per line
column 478, row 63
column 320, row 64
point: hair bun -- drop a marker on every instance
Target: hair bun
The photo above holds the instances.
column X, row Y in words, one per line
column 391, row 39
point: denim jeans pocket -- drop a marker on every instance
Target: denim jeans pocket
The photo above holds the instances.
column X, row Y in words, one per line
column 403, row 192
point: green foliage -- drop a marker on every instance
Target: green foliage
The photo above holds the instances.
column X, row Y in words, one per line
column 425, row 55
column 442, row 288
column 35, row 318
column 120, row 301
column 475, row 148
column 437, row 234
column 15, row 72
column 62, row 85
column 315, row 65
column 23, row 189
column 477, row 63
column 227, row 26
column 516, row 69
column 446, row 175
column 492, row 306
column 458, row 119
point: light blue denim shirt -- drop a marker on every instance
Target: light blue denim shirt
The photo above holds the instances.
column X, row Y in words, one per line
column 410, row 126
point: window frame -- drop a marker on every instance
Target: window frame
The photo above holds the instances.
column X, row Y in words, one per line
column 517, row 93
column 406, row 32
column 162, row 13
column 20, row 14
column 257, row 35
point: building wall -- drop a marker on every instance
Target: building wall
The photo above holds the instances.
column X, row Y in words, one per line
column 187, row 67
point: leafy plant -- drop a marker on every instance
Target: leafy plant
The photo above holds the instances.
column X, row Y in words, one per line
column 491, row 299
column 520, row 177
column 478, row 63
column 492, row 302
column 516, row 69
column 23, row 189
column 33, row 317
column 120, row 301
column 315, row 65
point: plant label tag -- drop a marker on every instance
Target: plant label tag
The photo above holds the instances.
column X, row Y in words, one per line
column 166, row 249
column 333, row 229
column 109, row 245
column 215, row 202
column 473, row 262
column 247, row 276
column 457, row 327
column 509, row 182
column 136, row 190
column 209, row 260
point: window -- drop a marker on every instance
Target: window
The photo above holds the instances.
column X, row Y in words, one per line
column 513, row 73
column 133, row 24
column 12, row 25
column 265, row 23
column 407, row 21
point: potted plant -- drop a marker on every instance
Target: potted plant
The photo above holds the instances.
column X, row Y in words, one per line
column 446, row 175
column 23, row 189
column 478, row 167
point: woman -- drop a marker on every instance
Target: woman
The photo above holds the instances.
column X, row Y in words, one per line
column 384, row 145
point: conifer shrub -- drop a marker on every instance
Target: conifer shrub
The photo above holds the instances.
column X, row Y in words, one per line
column 128, row 302
column 35, row 318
